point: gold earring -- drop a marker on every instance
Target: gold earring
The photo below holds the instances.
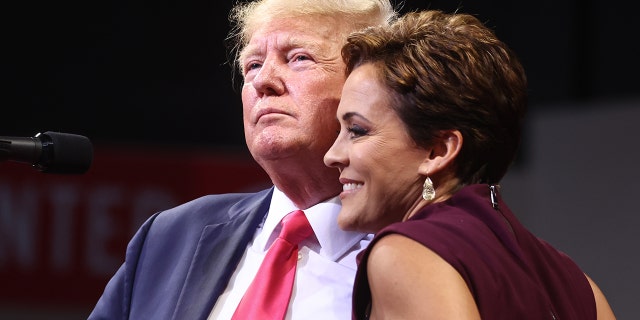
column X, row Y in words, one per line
column 428, row 192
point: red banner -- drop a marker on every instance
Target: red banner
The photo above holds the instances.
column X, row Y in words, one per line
column 63, row 236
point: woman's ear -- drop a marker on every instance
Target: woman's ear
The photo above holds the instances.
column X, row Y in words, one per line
column 443, row 152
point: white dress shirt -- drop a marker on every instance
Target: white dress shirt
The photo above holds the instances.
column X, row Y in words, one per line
column 326, row 268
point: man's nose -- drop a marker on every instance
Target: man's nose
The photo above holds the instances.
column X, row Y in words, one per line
column 270, row 78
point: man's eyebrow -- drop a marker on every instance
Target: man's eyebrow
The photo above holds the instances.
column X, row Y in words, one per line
column 246, row 52
column 302, row 43
column 286, row 45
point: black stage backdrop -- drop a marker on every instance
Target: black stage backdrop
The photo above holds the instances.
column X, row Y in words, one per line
column 155, row 72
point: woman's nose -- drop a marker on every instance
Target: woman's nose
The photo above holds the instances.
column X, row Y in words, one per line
column 334, row 158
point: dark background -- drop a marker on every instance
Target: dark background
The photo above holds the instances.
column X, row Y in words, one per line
column 155, row 72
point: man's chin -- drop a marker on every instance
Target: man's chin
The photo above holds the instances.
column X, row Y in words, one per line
column 266, row 151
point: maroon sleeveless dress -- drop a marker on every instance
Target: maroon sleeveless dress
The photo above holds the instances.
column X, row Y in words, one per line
column 511, row 273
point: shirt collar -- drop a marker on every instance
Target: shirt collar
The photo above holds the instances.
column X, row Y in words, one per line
column 333, row 241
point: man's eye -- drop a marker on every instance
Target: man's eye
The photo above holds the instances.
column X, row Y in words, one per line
column 252, row 66
column 300, row 57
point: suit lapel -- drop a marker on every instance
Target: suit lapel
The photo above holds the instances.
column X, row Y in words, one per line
column 219, row 250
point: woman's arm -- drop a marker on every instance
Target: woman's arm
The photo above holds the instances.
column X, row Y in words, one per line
column 409, row 281
column 603, row 308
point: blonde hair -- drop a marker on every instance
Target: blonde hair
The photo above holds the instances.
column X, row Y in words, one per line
column 248, row 16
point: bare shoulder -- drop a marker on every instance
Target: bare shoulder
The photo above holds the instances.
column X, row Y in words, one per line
column 603, row 308
column 408, row 280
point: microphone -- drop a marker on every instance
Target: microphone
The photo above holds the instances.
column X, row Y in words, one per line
column 50, row 152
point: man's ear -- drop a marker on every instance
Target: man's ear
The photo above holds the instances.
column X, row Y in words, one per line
column 443, row 153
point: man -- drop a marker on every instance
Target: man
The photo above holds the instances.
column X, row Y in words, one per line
column 197, row 260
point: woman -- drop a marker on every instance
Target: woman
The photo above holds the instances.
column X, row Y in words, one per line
column 431, row 116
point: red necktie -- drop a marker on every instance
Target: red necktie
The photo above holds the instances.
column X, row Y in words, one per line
column 269, row 294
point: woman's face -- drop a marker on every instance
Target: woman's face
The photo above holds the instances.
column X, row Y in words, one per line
column 378, row 161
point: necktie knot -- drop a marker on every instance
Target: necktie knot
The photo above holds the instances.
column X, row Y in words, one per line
column 295, row 227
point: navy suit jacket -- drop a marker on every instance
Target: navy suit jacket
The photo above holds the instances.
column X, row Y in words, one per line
column 180, row 260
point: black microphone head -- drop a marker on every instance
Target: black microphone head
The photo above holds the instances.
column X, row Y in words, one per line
column 64, row 153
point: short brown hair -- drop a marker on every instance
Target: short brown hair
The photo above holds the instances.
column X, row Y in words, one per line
column 449, row 71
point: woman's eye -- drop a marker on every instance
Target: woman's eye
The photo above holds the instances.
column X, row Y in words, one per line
column 357, row 131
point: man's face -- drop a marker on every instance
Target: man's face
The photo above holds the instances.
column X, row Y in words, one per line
column 293, row 77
